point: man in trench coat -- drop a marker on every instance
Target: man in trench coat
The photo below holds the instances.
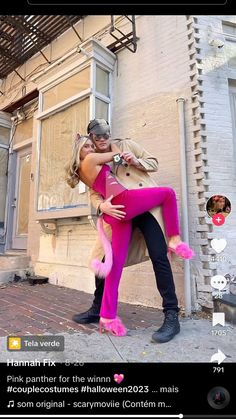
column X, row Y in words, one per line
column 148, row 229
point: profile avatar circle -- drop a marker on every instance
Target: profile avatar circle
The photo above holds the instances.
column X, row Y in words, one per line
column 218, row 208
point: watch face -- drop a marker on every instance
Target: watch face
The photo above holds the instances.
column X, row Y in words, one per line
column 116, row 158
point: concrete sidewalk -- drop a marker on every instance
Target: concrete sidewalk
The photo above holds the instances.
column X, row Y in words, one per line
column 47, row 310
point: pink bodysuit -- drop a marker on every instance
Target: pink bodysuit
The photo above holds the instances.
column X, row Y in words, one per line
column 136, row 202
column 106, row 183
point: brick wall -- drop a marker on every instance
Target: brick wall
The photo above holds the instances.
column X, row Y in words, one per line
column 214, row 145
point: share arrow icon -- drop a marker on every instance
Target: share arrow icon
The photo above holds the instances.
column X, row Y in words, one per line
column 218, row 357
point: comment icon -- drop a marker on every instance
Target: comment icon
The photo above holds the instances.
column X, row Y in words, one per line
column 218, row 282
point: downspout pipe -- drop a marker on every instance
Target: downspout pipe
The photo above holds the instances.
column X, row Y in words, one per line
column 184, row 202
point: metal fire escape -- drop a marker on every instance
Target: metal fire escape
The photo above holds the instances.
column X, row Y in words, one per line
column 123, row 40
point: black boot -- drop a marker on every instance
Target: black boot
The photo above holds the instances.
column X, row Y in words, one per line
column 89, row 316
column 169, row 329
column 92, row 314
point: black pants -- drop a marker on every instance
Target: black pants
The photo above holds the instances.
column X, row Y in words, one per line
column 157, row 250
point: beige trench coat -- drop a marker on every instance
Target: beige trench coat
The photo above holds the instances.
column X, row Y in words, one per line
column 131, row 178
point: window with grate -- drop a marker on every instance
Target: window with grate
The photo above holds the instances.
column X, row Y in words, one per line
column 66, row 106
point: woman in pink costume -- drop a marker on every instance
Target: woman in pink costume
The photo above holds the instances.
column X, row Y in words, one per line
column 91, row 169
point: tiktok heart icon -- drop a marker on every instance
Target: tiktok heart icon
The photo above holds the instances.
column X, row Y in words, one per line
column 118, row 378
column 218, row 245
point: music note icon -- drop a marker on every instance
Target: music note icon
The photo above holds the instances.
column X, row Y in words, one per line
column 11, row 403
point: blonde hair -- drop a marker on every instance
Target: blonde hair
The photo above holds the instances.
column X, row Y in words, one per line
column 72, row 168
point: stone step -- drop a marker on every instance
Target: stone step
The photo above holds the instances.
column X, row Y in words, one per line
column 227, row 305
column 14, row 275
column 17, row 261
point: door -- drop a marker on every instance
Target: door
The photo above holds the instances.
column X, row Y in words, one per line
column 21, row 199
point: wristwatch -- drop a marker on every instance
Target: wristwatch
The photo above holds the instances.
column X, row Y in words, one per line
column 117, row 159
